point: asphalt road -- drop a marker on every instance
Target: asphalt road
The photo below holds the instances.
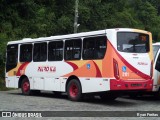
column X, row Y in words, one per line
column 14, row 101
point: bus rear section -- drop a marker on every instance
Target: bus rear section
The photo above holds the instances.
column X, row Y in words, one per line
column 132, row 61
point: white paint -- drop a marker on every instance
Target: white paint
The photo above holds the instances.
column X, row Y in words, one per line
column 94, row 85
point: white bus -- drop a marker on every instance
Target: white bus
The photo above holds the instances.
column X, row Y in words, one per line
column 156, row 67
column 104, row 62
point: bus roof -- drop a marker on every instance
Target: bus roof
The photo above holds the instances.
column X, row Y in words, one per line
column 76, row 35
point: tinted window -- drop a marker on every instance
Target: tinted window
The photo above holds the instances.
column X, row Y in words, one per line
column 94, row 47
column 55, row 51
column 12, row 54
column 12, row 57
column 26, row 53
column 155, row 50
column 40, row 52
column 132, row 42
column 157, row 67
column 73, row 49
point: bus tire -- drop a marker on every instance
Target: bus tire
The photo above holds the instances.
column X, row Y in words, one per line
column 74, row 90
column 25, row 87
column 108, row 96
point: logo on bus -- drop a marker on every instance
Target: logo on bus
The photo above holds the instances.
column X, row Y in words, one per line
column 88, row 66
column 124, row 71
column 124, row 68
column 142, row 63
column 46, row 69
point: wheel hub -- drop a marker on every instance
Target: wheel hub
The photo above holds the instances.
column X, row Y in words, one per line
column 26, row 86
column 73, row 90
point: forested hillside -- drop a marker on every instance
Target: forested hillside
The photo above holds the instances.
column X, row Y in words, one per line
column 39, row 18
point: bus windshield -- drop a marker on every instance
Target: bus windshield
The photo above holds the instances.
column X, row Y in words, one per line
column 155, row 50
column 132, row 42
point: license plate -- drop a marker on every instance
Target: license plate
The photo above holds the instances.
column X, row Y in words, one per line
column 136, row 85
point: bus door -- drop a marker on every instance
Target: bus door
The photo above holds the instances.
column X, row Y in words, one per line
column 157, row 70
column 39, row 59
column 11, row 63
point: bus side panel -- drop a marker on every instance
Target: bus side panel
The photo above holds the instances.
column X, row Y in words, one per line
column 89, row 85
column 102, row 68
column 47, row 75
column 94, row 75
column 52, row 84
column 11, row 78
column 10, row 82
column 94, row 85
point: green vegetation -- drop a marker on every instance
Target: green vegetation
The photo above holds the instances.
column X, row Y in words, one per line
column 39, row 18
column 2, row 85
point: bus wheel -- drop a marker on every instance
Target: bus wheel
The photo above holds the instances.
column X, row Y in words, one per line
column 25, row 87
column 108, row 96
column 74, row 90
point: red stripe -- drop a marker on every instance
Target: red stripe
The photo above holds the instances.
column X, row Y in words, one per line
column 20, row 68
column 97, row 70
column 74, row 66
column 130, row 66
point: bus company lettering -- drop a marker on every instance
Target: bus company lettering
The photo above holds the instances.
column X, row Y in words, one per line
column 142, row 63
column 46, row 69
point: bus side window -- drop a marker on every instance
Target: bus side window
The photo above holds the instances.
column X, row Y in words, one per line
column 88, row 48
column 55, row 51
column 26, row 53
column 94, row 47
column 73, row 49
column 40, row 52
column 158, row 63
